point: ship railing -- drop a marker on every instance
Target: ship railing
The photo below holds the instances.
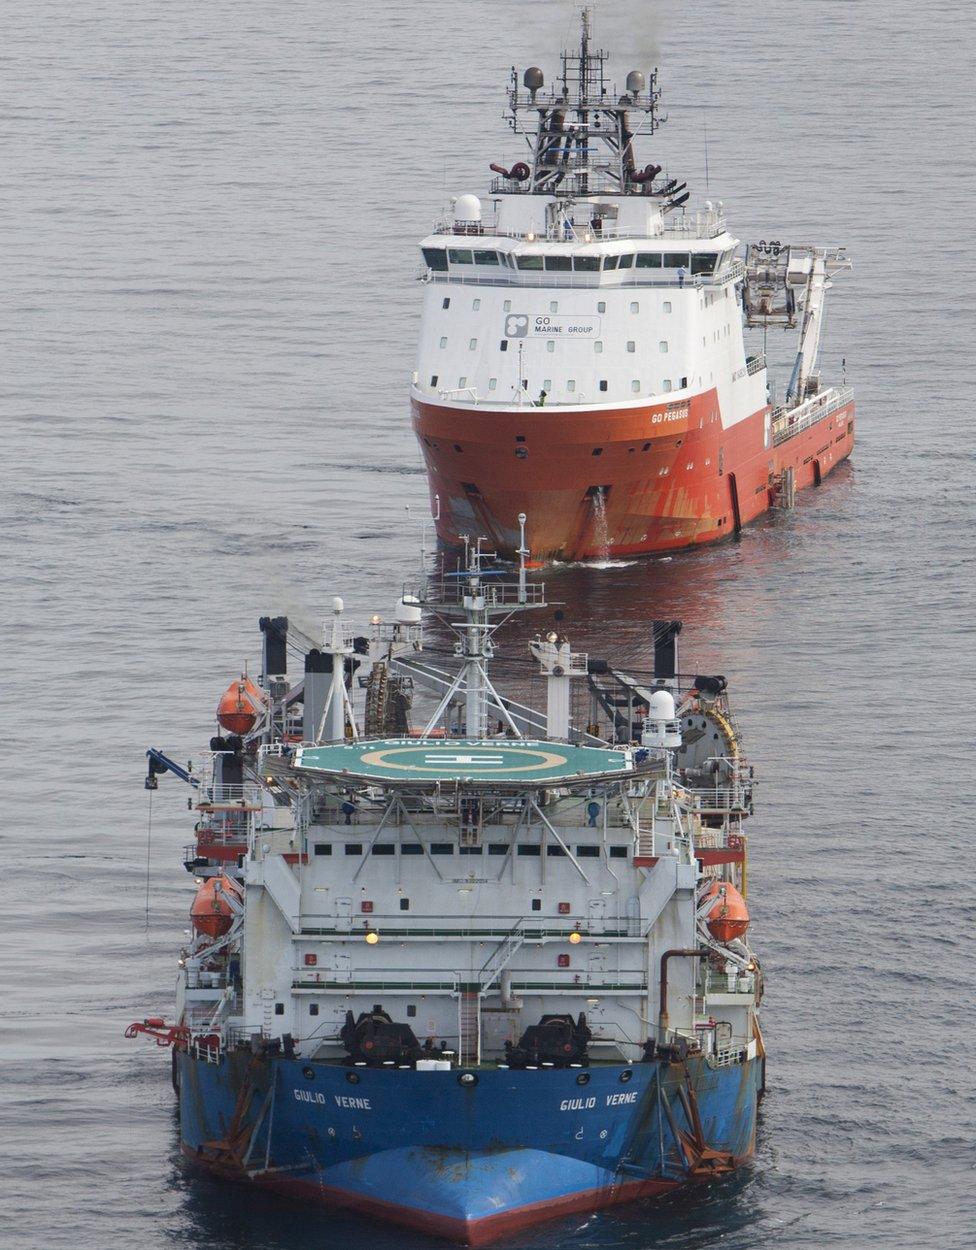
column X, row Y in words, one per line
column 719, row 840
column 735, row 982
column 558, row 278
column 755, row 364
column 453, row 592
column 729, row 798
column 790, row 421
column 700, row 225
column 245, row 797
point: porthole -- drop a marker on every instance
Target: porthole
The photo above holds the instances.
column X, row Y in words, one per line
column 583, row 1078
column 468, row 1080
column 352, row 1078
column 625, row 1077
column 308, row 1074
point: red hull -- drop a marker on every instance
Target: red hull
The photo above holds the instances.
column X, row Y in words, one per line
column 668, row 475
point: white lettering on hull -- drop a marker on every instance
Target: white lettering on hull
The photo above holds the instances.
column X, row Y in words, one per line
column 353, row 1104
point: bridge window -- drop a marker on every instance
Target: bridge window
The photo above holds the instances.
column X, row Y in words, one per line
column 666, row 385
column 384, row 848
column 444, row 341
column 530, row 851
column 492, row 383
column 663, row 345
column 631, row 345
column 354, row 848
column 507, row 306
column 503, row 345
column 553, row 306
column 313, row 1009
column 475, row 305
column 441, row 848
column 446, row 303
column 469, row 850
column 676, row 260
column 635, row 307
column 667, row 305
column 411, row 848
column 586, row 264
column 635, row 386
column 603, row 384
column 486, row 258
column 497, row 848
column 618, row 852
column 459, row 255
column 529, row 262
column 571, row 385
column 555, row 851
column 551, row 345
column 462, row 383
column 627, row 261
column 473, row 345
column 610, row 262
column 433, row 379
column 587, row 852
column 559, row 263
column 648, row 260
column 598, row 346
column 435, row 258
column 704, row 262
column 323, row 848
column 601, row 305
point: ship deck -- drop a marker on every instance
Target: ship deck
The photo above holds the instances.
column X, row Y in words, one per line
column 411, row 761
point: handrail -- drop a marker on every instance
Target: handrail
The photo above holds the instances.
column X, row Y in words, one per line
column 626, row 278
column 790, row 421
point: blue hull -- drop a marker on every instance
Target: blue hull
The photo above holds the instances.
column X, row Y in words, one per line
column 470, row 1162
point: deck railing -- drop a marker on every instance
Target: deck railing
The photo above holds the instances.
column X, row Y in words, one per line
column 790, row 421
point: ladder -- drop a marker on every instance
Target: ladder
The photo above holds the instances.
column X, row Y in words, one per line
column 500, row 957
column 469, row 1027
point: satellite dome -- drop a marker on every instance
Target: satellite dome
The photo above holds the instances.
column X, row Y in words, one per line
column 408, row 610
column 533, row 78
column 660, row 706
column 635, row 82
column 467, row 208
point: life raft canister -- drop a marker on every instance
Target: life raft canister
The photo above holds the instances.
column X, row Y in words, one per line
column 728, row 917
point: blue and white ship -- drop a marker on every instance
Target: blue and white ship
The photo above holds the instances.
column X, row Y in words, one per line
column 480, row 973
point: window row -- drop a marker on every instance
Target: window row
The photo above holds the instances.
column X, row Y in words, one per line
column 551, row 345
column 441, row 259
column 590, row 850
column 667, row 385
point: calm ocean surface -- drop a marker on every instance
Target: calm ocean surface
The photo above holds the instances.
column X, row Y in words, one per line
column 208, row 313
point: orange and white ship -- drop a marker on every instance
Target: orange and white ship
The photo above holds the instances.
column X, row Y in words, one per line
column 582, row 358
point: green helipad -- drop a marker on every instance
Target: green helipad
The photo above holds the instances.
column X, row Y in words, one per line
column 505, row 761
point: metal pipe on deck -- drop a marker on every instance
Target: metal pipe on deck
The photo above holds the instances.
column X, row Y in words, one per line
column 693, row 952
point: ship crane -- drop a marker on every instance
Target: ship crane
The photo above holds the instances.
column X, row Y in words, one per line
column 782, row 281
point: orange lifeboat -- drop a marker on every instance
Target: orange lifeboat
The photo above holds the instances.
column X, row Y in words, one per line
column 728, row 917
column 211, row 913
column 239, row 706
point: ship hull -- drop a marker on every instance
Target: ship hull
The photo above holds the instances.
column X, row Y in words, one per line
column 466, row 1163
column 614, row 482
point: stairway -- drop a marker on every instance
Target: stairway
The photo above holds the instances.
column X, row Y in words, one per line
column 469, row 1028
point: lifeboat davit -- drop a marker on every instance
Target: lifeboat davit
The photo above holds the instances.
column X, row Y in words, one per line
column 728, row 917
column 211, row 913
column 239, row 706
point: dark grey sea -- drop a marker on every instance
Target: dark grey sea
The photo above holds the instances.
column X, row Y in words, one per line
column 208, row 312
